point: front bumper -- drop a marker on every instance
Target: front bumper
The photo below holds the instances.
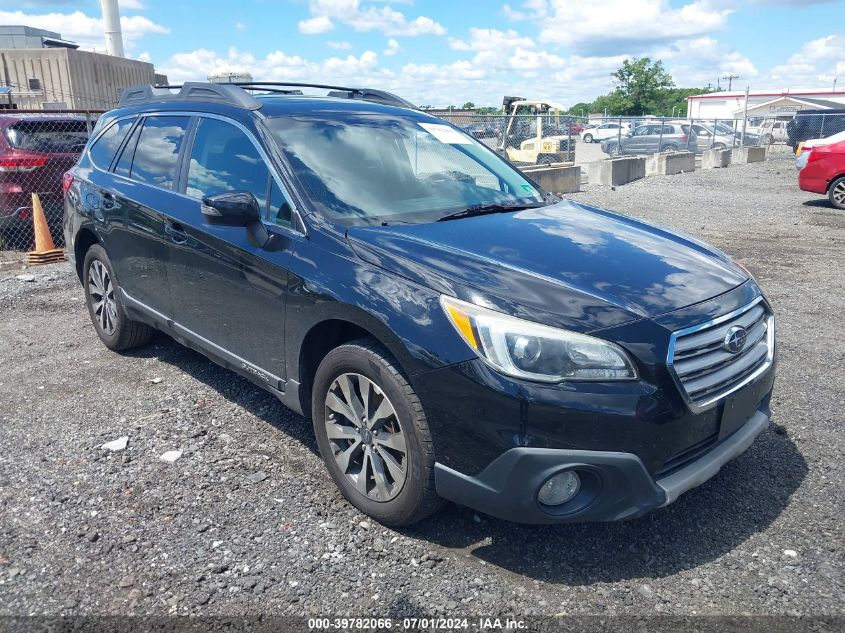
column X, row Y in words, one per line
column 615, row 486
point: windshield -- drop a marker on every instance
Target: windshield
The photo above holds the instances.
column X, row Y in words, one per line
column 373, row 168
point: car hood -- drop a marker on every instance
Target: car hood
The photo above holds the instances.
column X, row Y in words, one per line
column 564, row 264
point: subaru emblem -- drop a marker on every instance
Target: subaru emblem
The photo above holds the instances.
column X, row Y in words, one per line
column 735, row 339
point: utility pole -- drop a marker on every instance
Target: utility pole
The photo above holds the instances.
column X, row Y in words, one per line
column 730, row 79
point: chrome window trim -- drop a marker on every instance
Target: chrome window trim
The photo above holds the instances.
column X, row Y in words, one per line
column 713, row 401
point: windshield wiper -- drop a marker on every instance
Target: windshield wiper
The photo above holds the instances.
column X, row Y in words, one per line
column 486, row 209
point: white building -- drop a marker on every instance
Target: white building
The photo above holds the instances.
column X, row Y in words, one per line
column 782, row 104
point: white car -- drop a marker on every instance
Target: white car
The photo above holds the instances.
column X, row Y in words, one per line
column 603, row 131
column 772, row 132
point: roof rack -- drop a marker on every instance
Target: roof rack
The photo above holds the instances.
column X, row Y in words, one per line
column 238, row 93
column 193, row 91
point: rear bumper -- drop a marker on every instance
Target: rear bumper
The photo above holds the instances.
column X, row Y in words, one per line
column 615, row 486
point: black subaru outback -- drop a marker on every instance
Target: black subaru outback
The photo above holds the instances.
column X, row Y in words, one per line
column 453, row 331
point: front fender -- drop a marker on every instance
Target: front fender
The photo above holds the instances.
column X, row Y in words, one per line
column 328, row 284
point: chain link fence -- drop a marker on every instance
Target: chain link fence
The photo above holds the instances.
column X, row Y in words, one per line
column 549, row 139
column 36, row 149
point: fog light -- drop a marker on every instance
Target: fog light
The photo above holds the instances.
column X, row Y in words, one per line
column 559, row 489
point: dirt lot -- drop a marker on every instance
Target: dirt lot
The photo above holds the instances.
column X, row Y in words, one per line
column 247, row 521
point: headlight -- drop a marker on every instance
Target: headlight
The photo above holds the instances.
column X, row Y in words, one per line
column 537, row 352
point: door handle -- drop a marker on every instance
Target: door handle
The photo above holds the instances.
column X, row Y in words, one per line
column 176, row 233
column 108, row 201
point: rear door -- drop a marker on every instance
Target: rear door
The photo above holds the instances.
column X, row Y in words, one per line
column 145, row 177
column 229, row 294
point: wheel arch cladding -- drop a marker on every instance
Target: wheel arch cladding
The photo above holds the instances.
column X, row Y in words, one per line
column 327, row 335
column 85, row 239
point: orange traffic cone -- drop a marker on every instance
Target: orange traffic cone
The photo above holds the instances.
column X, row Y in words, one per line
column 45, row 251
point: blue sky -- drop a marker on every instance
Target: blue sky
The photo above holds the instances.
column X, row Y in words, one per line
column 440, row 52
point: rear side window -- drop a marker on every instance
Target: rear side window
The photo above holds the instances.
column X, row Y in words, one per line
column 52, row 136
column 103, row 150
column 156, row 159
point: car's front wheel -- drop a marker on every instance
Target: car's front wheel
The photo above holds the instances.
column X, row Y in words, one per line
column 588, row 138
column 373, row 434
column 836, row 193
column 102, row 296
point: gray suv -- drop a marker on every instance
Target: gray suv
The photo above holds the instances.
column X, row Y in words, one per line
column 650, row 138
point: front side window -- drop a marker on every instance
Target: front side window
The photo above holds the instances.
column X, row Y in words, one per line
column 370, row 168
column 156, row 159
column 224, row 159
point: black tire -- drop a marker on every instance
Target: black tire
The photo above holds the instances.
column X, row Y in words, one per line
column 613, row 150
column 546, row 159
column 836, row 192
column 588, row 138
column 126, row 333
column 417, row 498
column 719, row 146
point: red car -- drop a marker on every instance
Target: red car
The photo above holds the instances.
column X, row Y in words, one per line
column 824, row 172
column 35, row 150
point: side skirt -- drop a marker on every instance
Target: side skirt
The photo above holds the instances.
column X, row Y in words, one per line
column 287, row 391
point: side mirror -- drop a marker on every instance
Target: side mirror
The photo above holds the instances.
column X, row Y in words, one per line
column 629, row 134
column 231, row 208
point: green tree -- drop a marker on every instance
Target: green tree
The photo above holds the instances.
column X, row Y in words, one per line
column 643, row 84
column 469, row 105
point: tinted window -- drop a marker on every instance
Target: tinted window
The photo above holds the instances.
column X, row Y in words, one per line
column 279, row 205
column 105, row 147
column 225, row 159
column 124, row 163
column 156, row 158
column 50, row 135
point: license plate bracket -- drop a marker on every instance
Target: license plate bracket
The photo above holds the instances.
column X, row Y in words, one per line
column 738, row 409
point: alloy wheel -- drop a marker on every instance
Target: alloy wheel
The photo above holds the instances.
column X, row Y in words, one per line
column 838, row 194
column 366, row 438
column 101, row 292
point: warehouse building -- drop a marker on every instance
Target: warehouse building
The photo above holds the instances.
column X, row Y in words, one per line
column 763, row 103
column 41, row 71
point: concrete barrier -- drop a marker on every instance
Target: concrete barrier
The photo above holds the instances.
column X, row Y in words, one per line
column 556, row 178
column 742, row 155
column 715, row 158
column 667, row 164
column 616, row 171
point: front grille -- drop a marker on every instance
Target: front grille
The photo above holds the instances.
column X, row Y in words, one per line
column 705, row 370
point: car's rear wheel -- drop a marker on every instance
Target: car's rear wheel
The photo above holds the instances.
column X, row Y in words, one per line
column 115, row 329
column 836, row 193
column 373, row 435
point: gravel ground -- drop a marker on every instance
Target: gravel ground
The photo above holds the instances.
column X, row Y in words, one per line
column 246, row 520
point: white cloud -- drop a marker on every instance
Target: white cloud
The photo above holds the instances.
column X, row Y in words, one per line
column 817, row 63
column 240, row 26
column 367, row 18
column 136, row 5
column 610, row 27
column 392, row 48
column 339, row 46
column 316, row 25
column 83, row 29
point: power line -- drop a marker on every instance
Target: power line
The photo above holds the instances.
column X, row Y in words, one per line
column 730, row 79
